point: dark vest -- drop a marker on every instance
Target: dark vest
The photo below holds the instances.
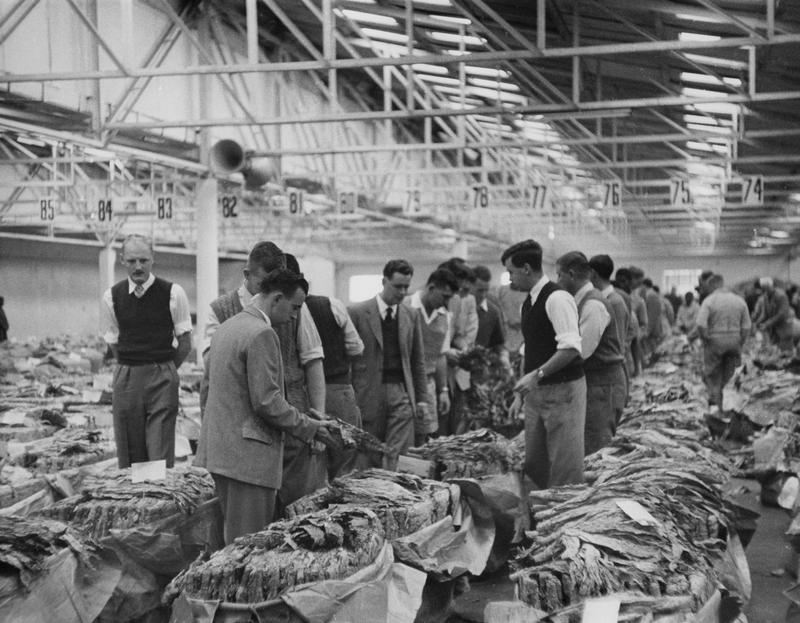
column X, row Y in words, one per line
column 336, row 363
column 145, row 324
column 226, row 306
column 392, row 361
column 294, row 375
column 609, row 350
column 540, row 339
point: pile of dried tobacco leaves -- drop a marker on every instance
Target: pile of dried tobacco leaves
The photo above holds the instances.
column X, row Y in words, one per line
column 480, row 452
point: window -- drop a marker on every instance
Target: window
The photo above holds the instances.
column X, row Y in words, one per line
column 682, row 279
column 363, row 287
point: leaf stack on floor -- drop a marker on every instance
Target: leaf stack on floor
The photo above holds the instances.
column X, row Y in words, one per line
column 480, row 452
column 111, row 500
column 328, row 544
column 69, row 447
column 404, row 503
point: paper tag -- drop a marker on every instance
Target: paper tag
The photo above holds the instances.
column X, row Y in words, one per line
column 91, row 395
column 149, row 470
column 462, row 379
column 13, row 417
column 603, row 610
column 637, row 512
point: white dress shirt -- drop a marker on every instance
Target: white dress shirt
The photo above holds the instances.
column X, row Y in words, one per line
column 594, row 318
column 353, row 345
column 382, row 307
column 562, row 311
column 178, row 309
column 415, row 301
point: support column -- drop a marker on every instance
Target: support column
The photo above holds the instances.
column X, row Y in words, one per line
column 107, row 262
column 207, row 256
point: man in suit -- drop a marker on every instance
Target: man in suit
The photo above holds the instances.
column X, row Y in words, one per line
column 389, row 377
column 246, row 414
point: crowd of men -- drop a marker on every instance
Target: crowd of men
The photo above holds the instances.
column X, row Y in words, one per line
column 282, row 365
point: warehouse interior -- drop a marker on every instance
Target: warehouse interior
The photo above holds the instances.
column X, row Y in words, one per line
column 350, row 132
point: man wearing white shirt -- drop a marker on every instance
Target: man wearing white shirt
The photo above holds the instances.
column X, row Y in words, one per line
column 431, row 302
column 146, row 322
column 601, row 350
column 552, row 392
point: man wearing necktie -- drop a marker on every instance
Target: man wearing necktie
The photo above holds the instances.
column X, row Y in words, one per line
column 389, row 377
column 146, row 322
column 552, row 392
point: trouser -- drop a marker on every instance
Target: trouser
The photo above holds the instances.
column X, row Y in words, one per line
column 721, row 357
column 340, row 402
column 393, row 423
column 246, row 508
column 554, row 428
column 605, row 399
column 145, row 406
column 428, row 423
column 637, row 355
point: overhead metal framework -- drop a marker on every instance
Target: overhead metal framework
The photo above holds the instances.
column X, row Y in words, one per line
column 661, row 125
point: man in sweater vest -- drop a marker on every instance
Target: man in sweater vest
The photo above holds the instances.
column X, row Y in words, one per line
column 389, row 377
column 601, row 351
column 146, row 322
column 340, row 342
column 552, row 392
column 432, row 302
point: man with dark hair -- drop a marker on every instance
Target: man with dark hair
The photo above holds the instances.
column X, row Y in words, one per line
column 340, row 342
column 431, row 304
column 146, row 322
column 246, row 414
column 389, row 377
column 723, row 323
column 601, row 351
column 602, row 268
column 553, row 387
column 491, row 333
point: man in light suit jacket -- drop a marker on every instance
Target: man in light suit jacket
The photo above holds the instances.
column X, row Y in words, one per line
column 246, row 413
column 389, row 377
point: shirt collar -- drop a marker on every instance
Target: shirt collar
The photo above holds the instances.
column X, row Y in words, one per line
column 583, row 291
column 606, row 292
column 382, row 307
column 484, row 305
column 150, row 281
column 415, row 301
column 538, row 288
column 245, row 298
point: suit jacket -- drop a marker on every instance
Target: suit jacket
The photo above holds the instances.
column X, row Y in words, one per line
column 368, row 367
column 246, row 414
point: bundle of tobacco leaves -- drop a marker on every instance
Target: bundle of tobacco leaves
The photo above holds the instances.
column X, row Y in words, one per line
column 25, row 543
column 678, row 420
column 111, row 500
column 69, row 447
column 491, row 392
column 354, row 437
column 328, row 544
column 585, row 545
column 477, row 453
column 404, row 503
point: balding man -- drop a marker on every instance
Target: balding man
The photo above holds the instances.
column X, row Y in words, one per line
column 146, row 322
column 723, row 323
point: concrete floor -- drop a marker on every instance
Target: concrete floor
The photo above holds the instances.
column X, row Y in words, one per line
column 768, row 554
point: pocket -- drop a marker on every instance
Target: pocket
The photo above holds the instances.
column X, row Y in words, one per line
column 251, row 430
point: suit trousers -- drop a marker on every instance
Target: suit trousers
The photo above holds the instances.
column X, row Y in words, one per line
column 394, row 422
column 554, row 427
column 246, row 508
column 605, row 399
column 340, row 402
column 721, row 357
column 145, row 406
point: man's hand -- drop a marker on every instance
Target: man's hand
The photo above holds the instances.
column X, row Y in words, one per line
column 526, row 383
column 318, row 415
column 325, row 436
column 452, row 355
column 444, row 401
column 515, row 411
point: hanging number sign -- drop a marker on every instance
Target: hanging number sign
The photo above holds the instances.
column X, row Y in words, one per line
column 481, row 196
column 347, row 201
column 612, row 195
column 164, row 207
column 296, row 202
column 228, row 203
column 47, row 209
column 104, row 211
column 679, row 193
column 753, row 189
column 539, row 196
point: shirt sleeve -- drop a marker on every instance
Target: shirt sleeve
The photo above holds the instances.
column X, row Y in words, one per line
column 448, row 336
column 309, row 344
column 746, row 323
column 702, row 315
column 593, row 321
column 563, row 314
column 109, row 328
column 353, row 345
column 179, row 308
column 212, row 324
